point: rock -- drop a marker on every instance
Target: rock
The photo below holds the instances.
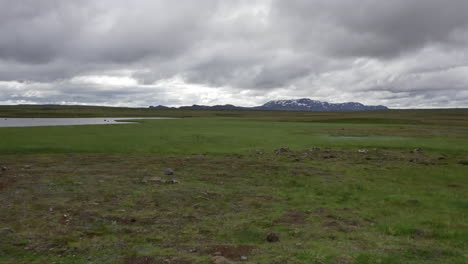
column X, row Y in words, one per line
column 3, row 168
column 168, row 172
column 416, row 150
column 172, row 181
column 463, row 162
column 243, row 258
column 282, row 150
column 314, row 149
column 363, row 150
column 272, row 237
column 5, row 231
column 221, row 260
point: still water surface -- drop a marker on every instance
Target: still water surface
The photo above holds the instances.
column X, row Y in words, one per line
column 32, row 122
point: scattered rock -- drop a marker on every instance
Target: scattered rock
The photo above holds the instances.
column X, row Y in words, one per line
column 168, row 172
column 243, row 258
column 221, row 260
column 363, row 150
column 463, row 162
column 172, row 181
column 314, row 149
column 272, row 237
column 329, row 156
column 3, row 168
column 5, row 231
column 282, row 150
column 231, row 251
column 159, row 180
column 416, row 150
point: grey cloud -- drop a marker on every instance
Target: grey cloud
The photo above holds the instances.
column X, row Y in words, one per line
column 99, row 31
column 372, row 28
column 399, row 52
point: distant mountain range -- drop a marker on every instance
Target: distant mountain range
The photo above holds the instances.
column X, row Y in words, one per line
column 303, row 104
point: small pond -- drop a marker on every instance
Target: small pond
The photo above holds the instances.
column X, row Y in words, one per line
column 33, row 122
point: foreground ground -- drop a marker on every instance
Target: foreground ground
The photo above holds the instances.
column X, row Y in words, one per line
column 351, row 188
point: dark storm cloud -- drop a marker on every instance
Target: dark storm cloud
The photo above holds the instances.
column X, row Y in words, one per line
column 400, row 53
column 371, row 28
column 100, row 31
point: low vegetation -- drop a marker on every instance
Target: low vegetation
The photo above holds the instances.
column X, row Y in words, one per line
column 247, row 187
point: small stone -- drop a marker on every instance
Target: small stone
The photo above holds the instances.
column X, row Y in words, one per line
column 272, row 237
column 155, row 180
column 6, row 230
column 416, row 150
column 172, row 181
column 221, row 260
column 243, row 258
column 4, row 168
column 168, row 172
column 363, row 150
column 282, row 150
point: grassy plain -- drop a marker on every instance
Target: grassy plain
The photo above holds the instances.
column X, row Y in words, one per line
column 351, row 188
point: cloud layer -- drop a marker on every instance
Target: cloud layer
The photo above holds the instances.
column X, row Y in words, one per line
column 138, row 53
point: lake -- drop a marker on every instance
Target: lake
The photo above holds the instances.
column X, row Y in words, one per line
column 33, row 122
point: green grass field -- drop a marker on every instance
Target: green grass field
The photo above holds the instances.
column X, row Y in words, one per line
column 349, row 189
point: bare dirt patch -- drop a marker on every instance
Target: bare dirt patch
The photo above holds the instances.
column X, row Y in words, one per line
column 294, row 217
column 152, row 260
column 231, row 252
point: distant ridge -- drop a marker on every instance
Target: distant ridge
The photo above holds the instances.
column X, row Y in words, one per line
column 306, row 104
column 303, row 104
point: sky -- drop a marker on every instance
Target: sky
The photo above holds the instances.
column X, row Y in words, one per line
column 399, row 53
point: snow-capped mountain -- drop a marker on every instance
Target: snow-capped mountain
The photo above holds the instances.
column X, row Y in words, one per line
column 306, row 104
column 303, row 104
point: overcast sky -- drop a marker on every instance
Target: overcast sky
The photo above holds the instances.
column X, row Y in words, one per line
column 399, row 53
